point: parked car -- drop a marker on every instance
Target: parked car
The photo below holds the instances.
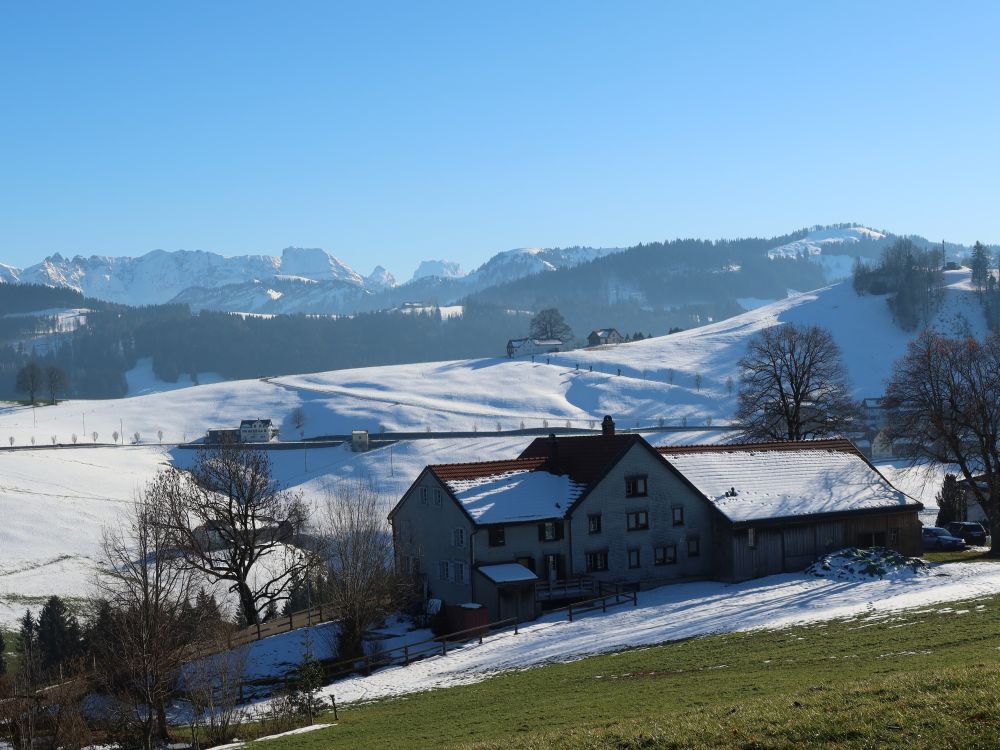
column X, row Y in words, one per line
column 970, row 531
column 936, row 538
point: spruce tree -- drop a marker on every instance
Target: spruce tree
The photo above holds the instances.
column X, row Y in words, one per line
column 59, row 637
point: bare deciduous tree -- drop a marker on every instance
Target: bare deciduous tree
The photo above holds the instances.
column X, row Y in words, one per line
column 233, row 522
column 943, row 400
column 358, row 542
column 793, row 385
column 213, row 687
column 549, row 324
column 298, row 418
column 145, row 644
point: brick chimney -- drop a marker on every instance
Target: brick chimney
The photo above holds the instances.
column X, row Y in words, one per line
column 608, row 426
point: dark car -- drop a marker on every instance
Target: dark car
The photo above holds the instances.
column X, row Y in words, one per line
column 970, row 531
column 934, row 537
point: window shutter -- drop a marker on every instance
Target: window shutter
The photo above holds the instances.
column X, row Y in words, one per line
column 541, row 532
column 559, row 529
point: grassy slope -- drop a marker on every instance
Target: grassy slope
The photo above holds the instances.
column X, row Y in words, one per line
column 923, row 678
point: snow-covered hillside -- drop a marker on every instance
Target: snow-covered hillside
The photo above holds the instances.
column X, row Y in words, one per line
column 76, row 490
column 834, row 249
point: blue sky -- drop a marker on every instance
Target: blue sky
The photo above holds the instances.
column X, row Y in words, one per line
column 391, row 133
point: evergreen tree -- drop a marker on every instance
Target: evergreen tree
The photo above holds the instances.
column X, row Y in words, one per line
column 3, row 655
column 59, row 636
column 980, row 265
column 28, row 647
column 951, row 501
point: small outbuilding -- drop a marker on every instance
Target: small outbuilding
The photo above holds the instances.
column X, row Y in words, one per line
column 602, row 336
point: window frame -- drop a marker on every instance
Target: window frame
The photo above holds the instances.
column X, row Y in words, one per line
column 661, row 557
column 458, row 571
column 458, row 537
column 592, row 527
column 632, row 520
column 675, row 511
column 696, row 542
column 596, row 555
column 497, row 536
column 444, row 570
column 634, row 558
column 424, row 494
column 637, row 485
column 438, row 497
column 751, row 538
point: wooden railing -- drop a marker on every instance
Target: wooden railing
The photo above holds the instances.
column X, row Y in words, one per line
column 565, row 587
column 411, row 652
column 438, row 646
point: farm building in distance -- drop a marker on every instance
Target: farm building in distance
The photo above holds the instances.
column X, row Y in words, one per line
column 526, row 346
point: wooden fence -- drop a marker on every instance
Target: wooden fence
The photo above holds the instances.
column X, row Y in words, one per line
column 438, row 646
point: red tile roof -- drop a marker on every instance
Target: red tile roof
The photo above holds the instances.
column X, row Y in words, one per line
column 477, row 470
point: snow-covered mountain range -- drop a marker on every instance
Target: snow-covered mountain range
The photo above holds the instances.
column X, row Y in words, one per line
column 299, row 280
column 314, row 281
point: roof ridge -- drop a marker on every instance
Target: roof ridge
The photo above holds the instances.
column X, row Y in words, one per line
column 487, row 463
column 773, row 445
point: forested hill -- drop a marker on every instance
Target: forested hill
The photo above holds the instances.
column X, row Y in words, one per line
column 649, row 289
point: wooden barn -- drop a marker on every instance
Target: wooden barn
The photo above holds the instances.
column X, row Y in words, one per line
column 781, row 505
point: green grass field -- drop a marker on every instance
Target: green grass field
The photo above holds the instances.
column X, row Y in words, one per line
column 926, row 678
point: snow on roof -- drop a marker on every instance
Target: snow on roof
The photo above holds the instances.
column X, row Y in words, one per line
column 515, row 495
column 749, row 484
column 507, row 573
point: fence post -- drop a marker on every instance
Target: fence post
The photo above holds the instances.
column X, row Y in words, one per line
column 635, row 598
column 515, row 625
column 570, row 609
column 406, row 654
column 444, row 647
column 258, row 630
column 604, row 604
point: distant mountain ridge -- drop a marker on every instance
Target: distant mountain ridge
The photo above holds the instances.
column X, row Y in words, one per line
column 311, row 280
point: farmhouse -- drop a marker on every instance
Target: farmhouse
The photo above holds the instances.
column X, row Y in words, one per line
column 603, row 336
column 257, row 430
column 526, row 346
column 617, row 510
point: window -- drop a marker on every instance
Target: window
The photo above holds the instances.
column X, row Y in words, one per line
column 635, row 486
column 423, row 496
column 666, row 555
column 550, row 531
column 594, row 523
column 678, row 515
column 444, row 570
column 893, row 536
column 498, row 537
column 694, row 546
column 437, row 497
column 633, row 558
column 875, row 539
column 751, row 538
column 458, row 571
column 597, row 561
column 458, row 537
column 637, row 521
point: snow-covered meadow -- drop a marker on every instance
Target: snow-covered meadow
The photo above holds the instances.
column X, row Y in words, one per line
column 680, row 611
column 54, row 501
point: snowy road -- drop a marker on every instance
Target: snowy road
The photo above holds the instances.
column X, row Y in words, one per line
column 671, row 613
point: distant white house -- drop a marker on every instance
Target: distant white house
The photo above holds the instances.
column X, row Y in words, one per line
column 257, row 431
column 524, row 347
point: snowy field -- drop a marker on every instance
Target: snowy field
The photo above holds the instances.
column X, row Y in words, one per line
column 54, row 502
column 680, row 611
